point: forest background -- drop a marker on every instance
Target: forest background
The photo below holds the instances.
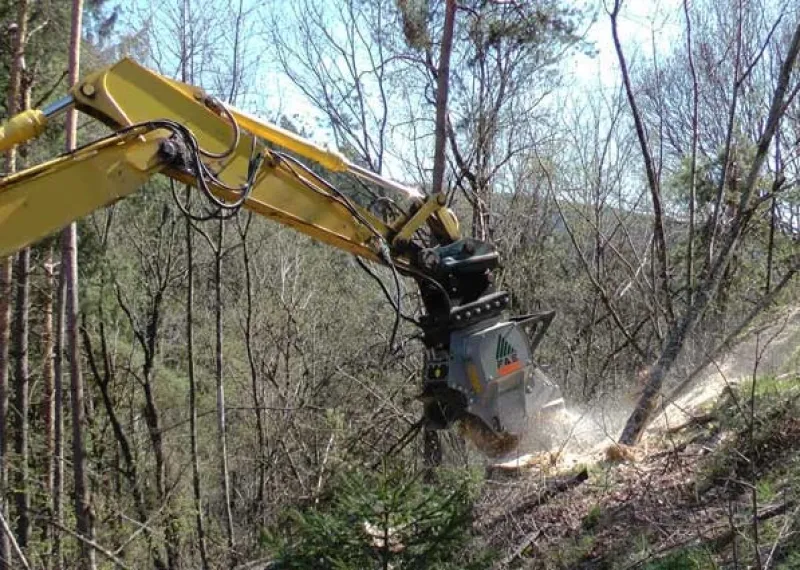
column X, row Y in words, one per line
column 231, row 382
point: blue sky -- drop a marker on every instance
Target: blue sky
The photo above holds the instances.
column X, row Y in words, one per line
column 641, row 23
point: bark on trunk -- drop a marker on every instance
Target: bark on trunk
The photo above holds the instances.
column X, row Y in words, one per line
column 47, row 396
column 442, row 88
column 432, row 455
column 18, row 41
column 254, row 383
column 22, row 398
column 221, row 420
column 153, row 421
column 21, row 343
column 130, row 471
column 5, row 337
column 197, row 496
column 58, row 427
column 196, row 489
column 69, row 249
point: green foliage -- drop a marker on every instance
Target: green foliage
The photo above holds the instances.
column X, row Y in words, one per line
column 687, row 559
column 549, row 26
column 388, row 519
column 592, row 517
column 414, row 14
column 771, row 450
column 570, row 552
column 791, row 561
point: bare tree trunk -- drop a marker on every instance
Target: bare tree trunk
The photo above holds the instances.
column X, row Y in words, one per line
column 254, row 385
column 155, row 431
column 22, row 398
column 197, row 496
column 5, row 337
column 69, row 249
column 18, row 41
column 21, row 342
column 147, row 332
column 773, row 215
column 729, row 139
column 58, row 416
column 693, row 164
column 442, row 89
column 131, row 472
column 196, row 490
column 660, row 242
column 221, row 428
column 47, row 396
column 770, row 245
column 83, row 513
column 432, row 455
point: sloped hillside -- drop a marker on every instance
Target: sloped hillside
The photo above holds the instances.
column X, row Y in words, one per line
column 715, row 484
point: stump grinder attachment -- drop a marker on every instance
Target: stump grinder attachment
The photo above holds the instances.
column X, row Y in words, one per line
column 487, row 381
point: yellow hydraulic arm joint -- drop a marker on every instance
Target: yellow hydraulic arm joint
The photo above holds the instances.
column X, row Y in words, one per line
column 22, row 127
column 431, row 205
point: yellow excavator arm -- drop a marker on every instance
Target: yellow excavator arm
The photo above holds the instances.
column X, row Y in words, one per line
column 139, row 105
column 478, row 366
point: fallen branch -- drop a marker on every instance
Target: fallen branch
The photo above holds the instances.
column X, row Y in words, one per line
column 266, row 564
column 715, row 543
column 13, row 541
column 536, row 499
column 693, row 422
column 519, row 549
column 91, row 544
column 719, row 542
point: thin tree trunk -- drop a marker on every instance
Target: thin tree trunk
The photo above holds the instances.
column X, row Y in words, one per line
column 147, row 331
column 162, row 490
column 18, row 41
column 5, row 337
column 69, row 249
column 773, row 214
column 223, row 445
column 770, row 245
column 442, row 89
column 104, row 381
column 22, row 398
column 47, row 396
column 660, row 242
column 21, row 344
column 196, row 490
column 432, row 455
column 254, row 385
column 156, row 433
column 197, row 495
column 83, row 514
column 729, row 142
column 58, row 416
column 693, row 165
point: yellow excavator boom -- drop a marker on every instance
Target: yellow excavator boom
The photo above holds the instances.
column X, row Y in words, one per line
column 138, row 104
